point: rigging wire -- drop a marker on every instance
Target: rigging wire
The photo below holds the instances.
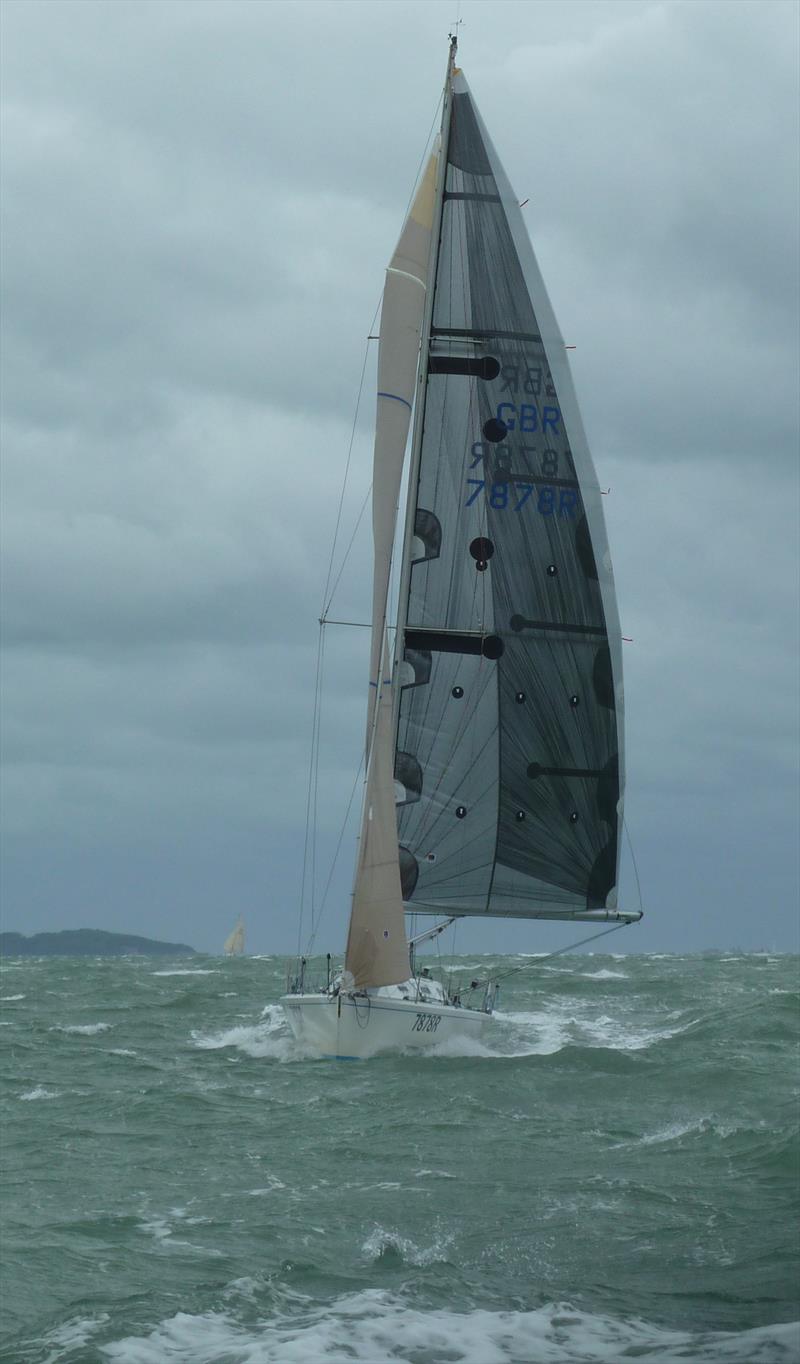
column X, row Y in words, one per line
column 343, row 564
column 315, row 923
column 633, row 859
column 479, row 984
column 312, row 764
column 326, row 608
column 316, row 775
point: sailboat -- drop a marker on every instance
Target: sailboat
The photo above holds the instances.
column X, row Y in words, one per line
column 495, row 767
column 234, row 943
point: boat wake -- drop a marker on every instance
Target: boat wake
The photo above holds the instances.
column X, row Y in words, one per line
column 546, row 1032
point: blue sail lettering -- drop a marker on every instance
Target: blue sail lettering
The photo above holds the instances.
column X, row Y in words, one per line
column 548, row 500
column 526, row 414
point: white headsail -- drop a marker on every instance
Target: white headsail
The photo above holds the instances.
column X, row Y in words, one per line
column 402, row 313
column 234, row 943
column 377, row 948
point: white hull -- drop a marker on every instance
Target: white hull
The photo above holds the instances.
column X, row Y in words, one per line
column 355, row 1027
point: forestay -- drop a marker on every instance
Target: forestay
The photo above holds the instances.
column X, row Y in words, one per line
column 509, row 740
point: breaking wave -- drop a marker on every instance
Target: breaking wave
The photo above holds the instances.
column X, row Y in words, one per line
column 385, row 1245
column 189, row 971
column 378, row 1327
column 271, row 1038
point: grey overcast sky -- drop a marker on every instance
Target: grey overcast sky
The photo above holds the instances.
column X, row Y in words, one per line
column 199, row 200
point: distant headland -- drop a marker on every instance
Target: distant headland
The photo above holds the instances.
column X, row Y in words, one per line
column 88, row 942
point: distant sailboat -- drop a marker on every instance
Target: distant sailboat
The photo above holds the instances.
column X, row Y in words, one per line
column 234, row 943
column 494, row 738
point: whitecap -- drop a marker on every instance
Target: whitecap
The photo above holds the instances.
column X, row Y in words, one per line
column 72, row 1335
column 195, row 971
column 273, row 1184
column 40, row 1093
column 381, row 1243
column 618, row 1036
column 82, row 1029
column 603, row 974
column 11, row 999
column 674, row 1131
column 121, row 1051
column 159, row 1226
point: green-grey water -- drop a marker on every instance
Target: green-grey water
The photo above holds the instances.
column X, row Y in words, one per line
column 612, row 1174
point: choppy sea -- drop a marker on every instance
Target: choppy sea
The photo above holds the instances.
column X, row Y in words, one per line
column 612, row 1175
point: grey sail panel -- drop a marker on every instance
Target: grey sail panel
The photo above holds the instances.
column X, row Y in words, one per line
column 509, row 749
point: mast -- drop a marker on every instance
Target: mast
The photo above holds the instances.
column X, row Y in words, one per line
column 422, row 373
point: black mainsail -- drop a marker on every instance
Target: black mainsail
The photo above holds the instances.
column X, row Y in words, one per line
column 508, row 676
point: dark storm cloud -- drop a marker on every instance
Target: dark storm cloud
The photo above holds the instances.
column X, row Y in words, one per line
column 199, row 201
